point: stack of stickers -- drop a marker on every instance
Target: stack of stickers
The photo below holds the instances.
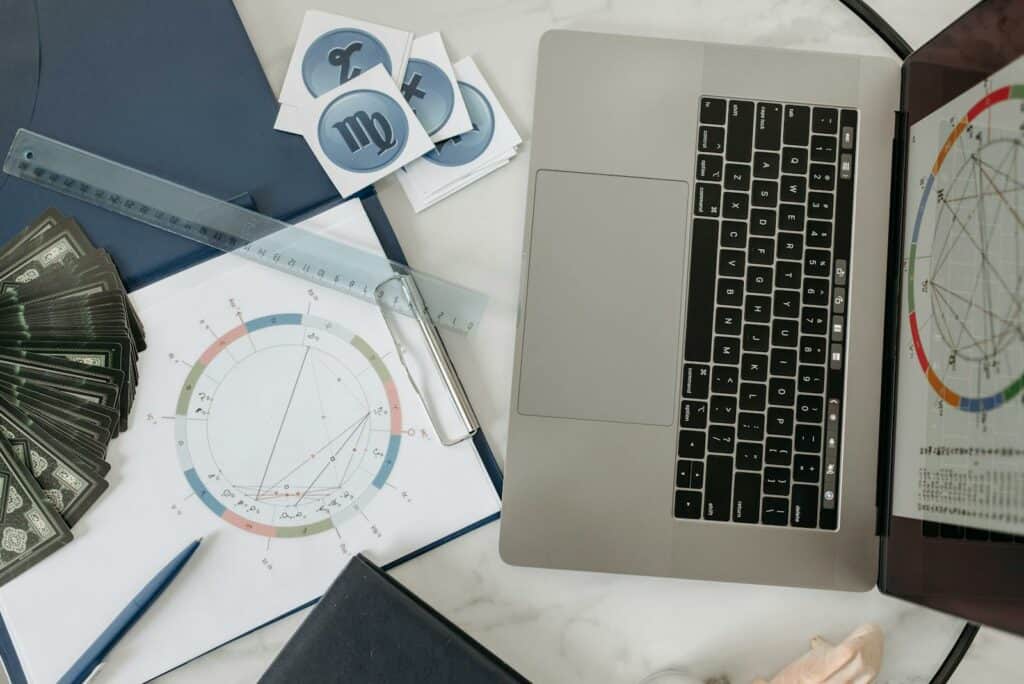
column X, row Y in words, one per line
column 69, row 341
column 371, row 100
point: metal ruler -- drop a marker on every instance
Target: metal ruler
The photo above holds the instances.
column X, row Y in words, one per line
column 230, row 228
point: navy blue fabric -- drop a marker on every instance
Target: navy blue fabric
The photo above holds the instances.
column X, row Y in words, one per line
column 173, row 88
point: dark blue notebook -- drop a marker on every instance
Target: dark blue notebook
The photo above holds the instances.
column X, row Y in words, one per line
column 171, row 88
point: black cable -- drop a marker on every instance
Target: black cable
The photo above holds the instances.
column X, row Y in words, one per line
column 902, row 49
column 956, row 654
column 880, row 26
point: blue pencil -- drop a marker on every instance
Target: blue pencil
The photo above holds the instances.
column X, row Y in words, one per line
column 92, row 659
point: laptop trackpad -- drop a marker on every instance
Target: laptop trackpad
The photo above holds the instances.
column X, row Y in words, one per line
column 601, row 337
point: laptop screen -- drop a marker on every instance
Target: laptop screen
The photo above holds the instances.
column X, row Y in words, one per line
column 956, row 536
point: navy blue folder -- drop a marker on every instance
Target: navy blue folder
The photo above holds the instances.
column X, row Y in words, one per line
column 169, row 87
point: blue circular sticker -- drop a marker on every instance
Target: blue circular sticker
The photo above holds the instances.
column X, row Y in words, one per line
column 464, row 148
column 339, row 56
column 430, row 94
column 363, row 130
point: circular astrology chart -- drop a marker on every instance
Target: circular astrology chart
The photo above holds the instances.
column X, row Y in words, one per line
column 287, row 425
column 965, row 268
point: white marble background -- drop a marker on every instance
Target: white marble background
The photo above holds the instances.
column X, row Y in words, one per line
column 578, row 627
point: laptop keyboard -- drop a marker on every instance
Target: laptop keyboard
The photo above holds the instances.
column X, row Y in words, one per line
column 764, row 354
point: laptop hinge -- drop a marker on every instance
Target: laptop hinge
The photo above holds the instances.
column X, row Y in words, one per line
column 894, row 280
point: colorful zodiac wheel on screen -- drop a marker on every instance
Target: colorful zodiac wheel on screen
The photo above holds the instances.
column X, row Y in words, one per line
column 965, row 268
column 288, row 425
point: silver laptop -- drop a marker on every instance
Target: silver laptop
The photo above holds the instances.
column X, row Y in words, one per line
column 696, row 387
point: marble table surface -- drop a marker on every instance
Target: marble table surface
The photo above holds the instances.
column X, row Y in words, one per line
column 569, row 626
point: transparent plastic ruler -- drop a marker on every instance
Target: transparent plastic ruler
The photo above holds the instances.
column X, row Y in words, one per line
column 234, row 229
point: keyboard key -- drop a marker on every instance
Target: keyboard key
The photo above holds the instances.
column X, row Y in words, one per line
column 791, row 217
column 754, row 367
column 755, row 337
column 734, row 234
column 822, row 177
column 846, row 137
column 730, row 292
column 694, row 414
column 786, row 304
column 766, row 165
column 776, row 481
column 815, row 291
column 797, row 125
column 735, row 205
column 812, row 350
column 778, row 450
column 751, row 426
column 712, row 110
column 808, row 409
column 762, row 222
column 774, row 511
column 819, row 234
column 696, row 378
column 823, row 148
column 724, row 380
column 731, row 263
column 758, row 308
column 825, row 120
column 700, row 310
column 728, row 320
column 791, row 246
column 688, row 504
column 781, row 392
column 804, row 505
column 691, row 444
column 768, row 126
column 707, row 199
column 788, row 274
column 783, row 362
column 794, row 160
column 697, row 474
column 752, row 395
column 759, row 279
column 808, row 439
column 740, row 122
column 814, row 320
column 784, row 333
column 723, row 409
column 835, row 357
column 727, row 350
column 747, row 497
column 721, row 439
column 717, row 487
column 737, row 177
column 839, row 300
column 780, row 421
column 683, row 473
column 819, row 205
column 709, row 168
column 818, row 262
column 761, row 251
column 951, row 531
column 711, row 139
column 794, row 188
column 806, row 468
column 811, row 379
column 765, row 193
column 841, row 272
column 846, row 166
column 748, row 456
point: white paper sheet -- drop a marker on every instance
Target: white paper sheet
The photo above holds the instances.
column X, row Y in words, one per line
column 255, row 391
column 959, row 452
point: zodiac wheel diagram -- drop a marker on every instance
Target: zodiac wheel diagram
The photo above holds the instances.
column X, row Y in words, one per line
column 965, row 285
column 288, row 425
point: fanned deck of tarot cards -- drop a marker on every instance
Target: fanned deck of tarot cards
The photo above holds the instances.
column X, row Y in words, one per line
column 69, row 342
